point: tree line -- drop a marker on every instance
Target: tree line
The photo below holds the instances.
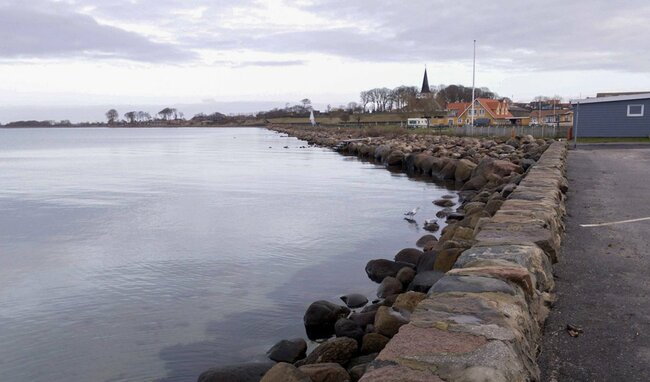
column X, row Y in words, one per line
column 132, row 117
column 409, row 98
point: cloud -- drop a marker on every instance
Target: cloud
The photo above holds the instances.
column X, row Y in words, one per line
column 53, row 32
column 551, row 35
column 259, row 63
column 537, row 36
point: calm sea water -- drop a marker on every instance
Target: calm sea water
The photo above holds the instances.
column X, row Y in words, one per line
column 153, row 254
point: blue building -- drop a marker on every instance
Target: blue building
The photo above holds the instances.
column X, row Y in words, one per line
column 612, row 116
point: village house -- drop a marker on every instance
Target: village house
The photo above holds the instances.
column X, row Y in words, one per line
column 487, row 112
column 562, row 117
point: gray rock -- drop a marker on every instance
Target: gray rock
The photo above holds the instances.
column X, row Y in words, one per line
column 408, row 301
column 320, row 318
column 354, row 300
column 408, row 255
column 338, row 350
column 423, row 281
column 444, row 202
column 424, row 240
column 356, row 372
column 346, row 327
column 288, row 350
column 379, row 269
column 444, row 213
column 285, row 372
column 363, row 359
column 373, row 343
column 388, row 321
column 427, row 260
column 455, row 216
column 388, row 287
column 471, row 284
column 405, row 275
column 326, row 372
column 432, row 227
column 395, row 158
column 363, row 319
column 241, row 372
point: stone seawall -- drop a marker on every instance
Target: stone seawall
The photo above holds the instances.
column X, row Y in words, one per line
column 467, row 307
column 482, row 321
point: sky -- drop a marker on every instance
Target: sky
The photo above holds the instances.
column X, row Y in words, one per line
column 73, row 59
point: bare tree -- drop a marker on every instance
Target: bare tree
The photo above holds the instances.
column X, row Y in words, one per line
column 130, row 116
column 111, row 116
column 166, row 113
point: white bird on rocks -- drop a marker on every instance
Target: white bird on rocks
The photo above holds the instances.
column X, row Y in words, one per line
column 412, row 213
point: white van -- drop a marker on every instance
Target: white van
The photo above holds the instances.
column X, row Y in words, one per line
column 417, row 122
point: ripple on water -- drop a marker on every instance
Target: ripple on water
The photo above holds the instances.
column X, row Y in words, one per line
column 145, row 254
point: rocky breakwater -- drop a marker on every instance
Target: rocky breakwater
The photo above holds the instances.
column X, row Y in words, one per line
column 482, row 320
column 385, row 339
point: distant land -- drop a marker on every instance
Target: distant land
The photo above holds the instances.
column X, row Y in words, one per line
column 95, row 113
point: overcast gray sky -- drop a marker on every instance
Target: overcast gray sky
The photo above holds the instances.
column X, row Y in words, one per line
column 71, row 54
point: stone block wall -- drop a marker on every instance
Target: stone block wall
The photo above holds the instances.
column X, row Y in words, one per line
column 482, row 321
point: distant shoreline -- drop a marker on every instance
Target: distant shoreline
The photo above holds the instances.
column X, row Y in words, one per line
column 130, row 127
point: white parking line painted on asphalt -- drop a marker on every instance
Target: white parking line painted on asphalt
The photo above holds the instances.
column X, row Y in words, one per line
column 614, row 223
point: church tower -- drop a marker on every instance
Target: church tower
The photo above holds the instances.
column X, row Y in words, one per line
column 425, row 92
column 425, row 83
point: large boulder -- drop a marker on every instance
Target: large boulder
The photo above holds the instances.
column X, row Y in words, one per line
column 424, row 280
column 447, row 258
column 395, row 158
column 320, row 318
column 288, row 350
column 285, row 372
column 408, row 255
column 338, row 350
column 464, row 170
column 427, row 260
column 498, row 167
column 422, row 242
column 325, row 372
column 405, row 275
column 346, row 327
column 358, row 365
column 381, row 152
column 388, row 321
column 241, row 372
column 364, row 319
column 388, row 287
column 409, row 300
column 444, row 202
column 354, row 300
column 379, row 269
column 449, row 171
column 373, row 343
column 427, row 165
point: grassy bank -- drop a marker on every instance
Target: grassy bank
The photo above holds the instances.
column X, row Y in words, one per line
column 615, row 140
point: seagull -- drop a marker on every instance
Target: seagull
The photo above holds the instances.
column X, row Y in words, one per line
column 412, row 213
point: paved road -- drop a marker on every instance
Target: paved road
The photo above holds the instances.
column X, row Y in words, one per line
column 603, row 278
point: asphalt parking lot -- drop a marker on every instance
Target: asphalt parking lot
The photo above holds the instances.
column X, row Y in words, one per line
column 603, row 277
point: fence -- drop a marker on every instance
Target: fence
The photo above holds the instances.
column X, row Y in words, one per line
column 538, row 131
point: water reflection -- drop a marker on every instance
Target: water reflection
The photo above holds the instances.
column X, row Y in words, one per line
column 143, row 254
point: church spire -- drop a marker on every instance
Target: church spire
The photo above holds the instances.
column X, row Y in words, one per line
column 425, row 82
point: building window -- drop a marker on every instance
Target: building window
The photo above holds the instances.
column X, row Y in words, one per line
column 460, row 120
column 481, row 112
column 635, row 110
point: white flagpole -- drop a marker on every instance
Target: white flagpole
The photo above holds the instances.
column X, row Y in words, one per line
column 473, row 82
